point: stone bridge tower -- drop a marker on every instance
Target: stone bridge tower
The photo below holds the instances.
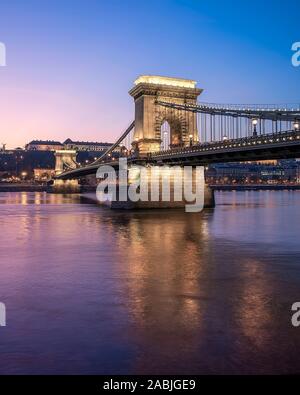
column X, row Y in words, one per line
column 65, row 160
column 150, row 116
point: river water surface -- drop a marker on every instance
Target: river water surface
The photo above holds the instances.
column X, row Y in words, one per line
column 94, row 291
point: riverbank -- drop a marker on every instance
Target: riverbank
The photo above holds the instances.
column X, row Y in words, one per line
column 36, row 188
column 255, row 187
column 23, row 188
column 88, row 188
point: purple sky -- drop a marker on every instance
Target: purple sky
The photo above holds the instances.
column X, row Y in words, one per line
column 70, row 64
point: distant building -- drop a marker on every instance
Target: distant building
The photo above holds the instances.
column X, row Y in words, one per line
column 47, row 145
column 80, row 146
column 254, row 172
column 43, row 174
column 86, row 146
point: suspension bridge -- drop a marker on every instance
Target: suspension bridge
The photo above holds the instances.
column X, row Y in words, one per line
column 172, row 127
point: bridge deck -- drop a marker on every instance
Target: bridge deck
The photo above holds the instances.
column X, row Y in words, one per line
column 277, row 146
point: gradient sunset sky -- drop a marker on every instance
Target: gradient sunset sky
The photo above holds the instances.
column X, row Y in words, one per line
column 71, row 63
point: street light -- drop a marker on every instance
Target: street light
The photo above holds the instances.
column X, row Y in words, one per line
column 254, row 123
column 296, row 125
column 191, row 140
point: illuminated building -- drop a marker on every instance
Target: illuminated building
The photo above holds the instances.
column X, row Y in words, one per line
column 85, row 145
column 47, row 145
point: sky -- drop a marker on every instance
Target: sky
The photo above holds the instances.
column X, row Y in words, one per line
column 71, row 63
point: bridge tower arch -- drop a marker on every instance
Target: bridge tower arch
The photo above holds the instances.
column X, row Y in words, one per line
column 149, row 115
column 65, row 160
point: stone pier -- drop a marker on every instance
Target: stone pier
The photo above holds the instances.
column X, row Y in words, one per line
column 209, row 197
column 161, row 187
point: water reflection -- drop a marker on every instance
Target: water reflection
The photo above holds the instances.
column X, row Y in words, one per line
column 100, row 291
column 254, row 311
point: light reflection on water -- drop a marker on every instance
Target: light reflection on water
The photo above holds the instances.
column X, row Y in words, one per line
column 89, row 290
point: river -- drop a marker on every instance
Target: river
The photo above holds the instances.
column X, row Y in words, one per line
column 93, row 291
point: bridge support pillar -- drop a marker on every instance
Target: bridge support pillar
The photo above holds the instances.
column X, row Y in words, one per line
column 66, row 186
column 164, row 187
column 209, row 197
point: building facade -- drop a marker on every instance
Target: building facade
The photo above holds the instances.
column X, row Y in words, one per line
column 272, row 172
column 47, row 145
column 79, row 146
column 43, row 175
column 86, row 145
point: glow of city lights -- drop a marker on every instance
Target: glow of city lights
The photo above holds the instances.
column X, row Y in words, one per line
column 158, row 80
